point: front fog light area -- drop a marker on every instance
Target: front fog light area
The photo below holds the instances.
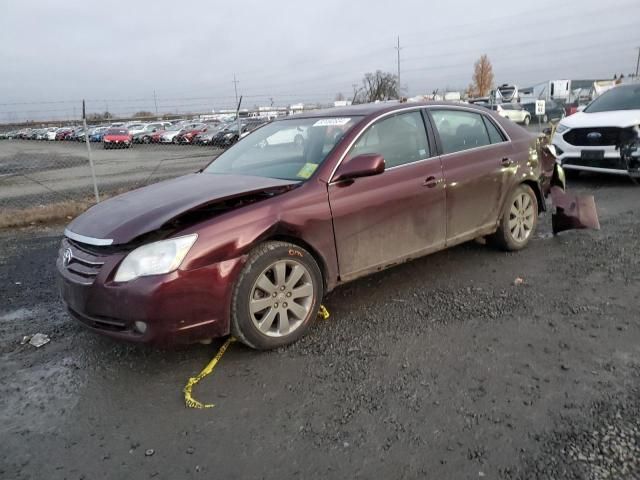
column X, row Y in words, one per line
column 140, row 327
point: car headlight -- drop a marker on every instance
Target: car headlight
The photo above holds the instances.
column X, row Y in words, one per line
column 155, row 258
column 561, row 128
column 228, row 135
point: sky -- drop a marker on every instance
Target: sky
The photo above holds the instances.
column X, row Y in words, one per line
column 127, row 56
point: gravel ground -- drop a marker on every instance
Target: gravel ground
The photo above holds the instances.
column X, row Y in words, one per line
column 441, row 368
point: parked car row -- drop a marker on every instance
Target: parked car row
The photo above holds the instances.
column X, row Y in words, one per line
column 179, row 132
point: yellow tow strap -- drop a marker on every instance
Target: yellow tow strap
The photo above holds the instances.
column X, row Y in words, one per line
column 323, row 313
column 191, row 402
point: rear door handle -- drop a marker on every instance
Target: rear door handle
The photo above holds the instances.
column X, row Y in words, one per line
column 431, row 182
column 506, row 162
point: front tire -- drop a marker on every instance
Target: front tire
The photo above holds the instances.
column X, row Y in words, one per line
column 527, row 120
column 276, row 297
column 519, row 220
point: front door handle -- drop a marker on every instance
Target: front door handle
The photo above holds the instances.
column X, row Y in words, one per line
column 431, row 182
column 506, row 162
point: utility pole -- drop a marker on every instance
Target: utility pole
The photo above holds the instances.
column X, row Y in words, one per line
column 638, row 63
column 155, row 101
column 235, row 86
column 399, row 84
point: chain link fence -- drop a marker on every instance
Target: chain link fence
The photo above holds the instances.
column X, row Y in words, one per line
column 49, row 164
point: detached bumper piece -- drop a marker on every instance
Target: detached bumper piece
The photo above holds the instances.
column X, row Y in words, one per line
column 570, row 212
column 573, row 212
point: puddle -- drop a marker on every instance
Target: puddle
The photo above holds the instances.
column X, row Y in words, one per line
column 20, row 314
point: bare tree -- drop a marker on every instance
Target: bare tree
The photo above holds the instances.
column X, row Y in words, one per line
column 482, row 78
column 99, row 116
column 378, row 86
column 339, row 97
column 142, row 114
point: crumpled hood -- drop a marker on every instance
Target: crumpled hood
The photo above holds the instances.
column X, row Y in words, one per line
column 127, row 216
column 617, row 118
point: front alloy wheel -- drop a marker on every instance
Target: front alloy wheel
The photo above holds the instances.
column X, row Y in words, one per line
column 277, row 296
column 281, row 298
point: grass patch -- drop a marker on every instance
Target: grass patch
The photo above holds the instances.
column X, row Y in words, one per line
column 43, row 214
column 51, row 213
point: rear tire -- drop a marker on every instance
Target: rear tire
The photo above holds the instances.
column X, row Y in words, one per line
column 518, row 221
column 276, row 297
column 527, row 120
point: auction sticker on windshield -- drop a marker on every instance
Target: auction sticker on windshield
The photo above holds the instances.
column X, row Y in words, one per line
column 307, row 170
column 332, row 122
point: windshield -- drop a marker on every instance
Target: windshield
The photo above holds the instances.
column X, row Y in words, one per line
column 626, row 97
column 117, row 131
column 287, row 149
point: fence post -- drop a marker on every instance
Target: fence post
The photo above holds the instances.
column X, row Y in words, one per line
column 86, row 139
column 238, row 117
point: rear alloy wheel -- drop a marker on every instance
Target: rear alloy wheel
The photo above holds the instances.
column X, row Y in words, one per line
column 519, row 220
column 277, row 296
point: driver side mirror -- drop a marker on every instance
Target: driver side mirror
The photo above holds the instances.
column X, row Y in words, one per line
column 365, row 165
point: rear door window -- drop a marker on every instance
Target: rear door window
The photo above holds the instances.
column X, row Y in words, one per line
column 460, row 130
column 494, row 134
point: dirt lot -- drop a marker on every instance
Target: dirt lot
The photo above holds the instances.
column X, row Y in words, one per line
column 441, row 368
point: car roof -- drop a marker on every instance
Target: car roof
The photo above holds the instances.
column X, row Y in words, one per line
column 367, row 109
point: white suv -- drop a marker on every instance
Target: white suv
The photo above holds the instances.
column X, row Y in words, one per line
column 587, row 140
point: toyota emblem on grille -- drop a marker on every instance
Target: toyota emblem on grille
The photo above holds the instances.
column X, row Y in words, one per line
column 67, row 256
column 594, row 137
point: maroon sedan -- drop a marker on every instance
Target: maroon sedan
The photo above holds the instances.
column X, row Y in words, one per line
column 249, row 245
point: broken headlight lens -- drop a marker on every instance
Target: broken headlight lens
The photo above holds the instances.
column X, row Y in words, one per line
column 155, row 258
